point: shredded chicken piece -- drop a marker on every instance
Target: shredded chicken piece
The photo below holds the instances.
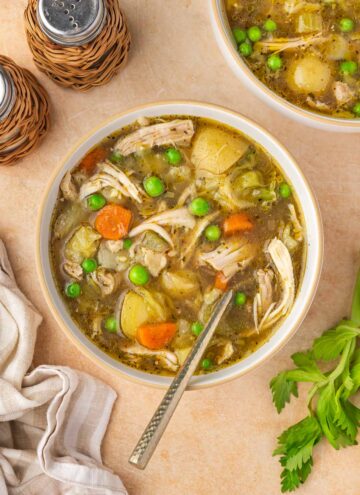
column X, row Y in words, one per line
column 195, row 235
column 281, row 44
column 111, row 176
column 68, row 187
column 153, row 260
column 342, row 92
column 167, row 359
column 176, row 132
column 317, row 104
column 281, row 259
column 133, row 190
column 114, row 246
column 73, row 269
column 297, row 227
column 264, row 296
column 224, row 350
column 230, row 257
column 177, row 217
column 147, row 225
column 108, row 282
column 96, row 326
column 187, row 193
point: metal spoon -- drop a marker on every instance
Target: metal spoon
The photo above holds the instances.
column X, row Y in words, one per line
column 154, row 430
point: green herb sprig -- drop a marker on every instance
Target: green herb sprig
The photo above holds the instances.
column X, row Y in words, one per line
column 332, row 414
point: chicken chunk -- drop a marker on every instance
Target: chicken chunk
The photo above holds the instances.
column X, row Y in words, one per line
column 230, row 257
column 281, row 260
column 166, row 359
column 342, row 92
column 68, row 187
column 176, row 132
column 113, row 177
column 107, row 281
column 73, row 269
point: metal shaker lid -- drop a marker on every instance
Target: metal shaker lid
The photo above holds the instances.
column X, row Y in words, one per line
column 7, row 93
column 71, row 22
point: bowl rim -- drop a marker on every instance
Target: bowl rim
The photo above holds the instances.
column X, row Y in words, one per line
column 143, row 378
column 243, row 72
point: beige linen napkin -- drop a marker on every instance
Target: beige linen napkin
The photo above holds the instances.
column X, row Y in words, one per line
column 52, row 421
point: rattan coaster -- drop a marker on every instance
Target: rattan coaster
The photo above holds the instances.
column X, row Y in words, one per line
column 28, row 120
column 81, row 67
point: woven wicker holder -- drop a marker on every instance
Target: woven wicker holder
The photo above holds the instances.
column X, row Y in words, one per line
column 81, row 67
column 28, row 120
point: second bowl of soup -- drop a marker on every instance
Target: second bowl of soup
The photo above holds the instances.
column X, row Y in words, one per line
column 302, row 57
column 157, row 214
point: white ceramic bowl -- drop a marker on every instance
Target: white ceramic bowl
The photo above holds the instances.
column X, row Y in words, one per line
column 291, row 172
column 228, row 48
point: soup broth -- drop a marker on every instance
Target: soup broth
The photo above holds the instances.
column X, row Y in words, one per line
column 305, row 51
column 156, row 222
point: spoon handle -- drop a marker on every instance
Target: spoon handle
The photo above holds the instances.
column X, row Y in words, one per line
column 154, row 430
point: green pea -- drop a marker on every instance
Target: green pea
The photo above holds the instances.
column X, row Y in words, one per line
column 173, row 156
column 89, row 265
column 285, row 190
column 356, row 109
column 73, row 290
column 239, row 35
column 111, row 324
column 197, row 328
column 199, row 207
column 274, row 62
column 213, row 233
column 139, row 275
column 270, row 25
column 96, row 202
column 348, row 67
column 154, row 186
column 245, row 49
column 346, row 25
column 240, row 298
column 127, row 243
column 206, row 364
column 254, row 34
column 116, row 157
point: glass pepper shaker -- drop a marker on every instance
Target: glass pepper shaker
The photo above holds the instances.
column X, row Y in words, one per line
column 23, row 112
column 77, row 43
column 70, row 22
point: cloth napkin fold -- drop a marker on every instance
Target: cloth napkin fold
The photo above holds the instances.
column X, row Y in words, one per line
column 52, row 420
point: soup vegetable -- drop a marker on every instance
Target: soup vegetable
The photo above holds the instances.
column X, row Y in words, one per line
column 307, row 51
column 155, row 223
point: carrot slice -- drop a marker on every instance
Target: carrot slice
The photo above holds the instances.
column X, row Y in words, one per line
column 237, row 222
column 113, row 222
column 90, row 161
column 220, row 281
column 156, row 335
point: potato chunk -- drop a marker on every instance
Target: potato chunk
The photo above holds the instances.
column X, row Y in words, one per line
column 215, row 150
column 143, row 306
column 337, row 47
column 309, row 75
column 180, row 283
column 134, row 313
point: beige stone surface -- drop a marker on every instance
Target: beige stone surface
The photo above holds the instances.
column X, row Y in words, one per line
column 220, row 440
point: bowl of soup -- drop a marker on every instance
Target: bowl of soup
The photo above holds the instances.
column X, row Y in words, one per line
column 301, row 57
column 153, row 216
